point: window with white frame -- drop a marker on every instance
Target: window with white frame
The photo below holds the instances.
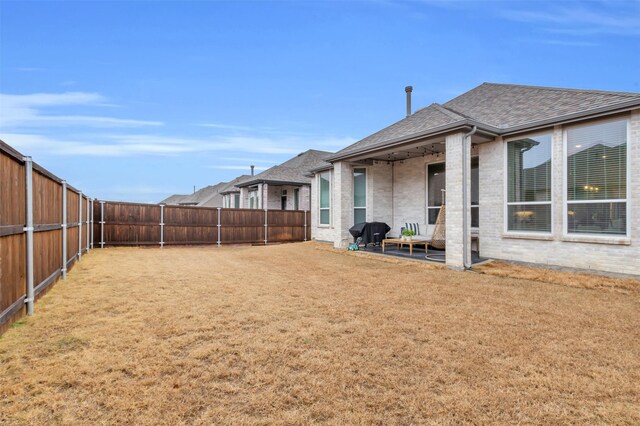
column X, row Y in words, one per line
column 529, row 184
column 596, row 164
column 236, row 200
column 325, row 198
column 253, row 199
column 475, row 192
column 436, row 182
column 359, row 195
column 225, row 200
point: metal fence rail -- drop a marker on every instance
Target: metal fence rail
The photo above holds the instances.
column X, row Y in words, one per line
column 40, row 232
column 123, row 224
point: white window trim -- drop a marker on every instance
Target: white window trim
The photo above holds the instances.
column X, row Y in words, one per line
column 471, row 206
column 253, row 198
column 587, row 237
column 426, row 192
column 366, row 186
column 524, row 233
column 320, row 209
column 426, row 189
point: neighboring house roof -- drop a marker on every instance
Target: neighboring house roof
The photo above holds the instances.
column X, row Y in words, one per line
column 231, row 187
column 173, row 199
column 496, row 109
column 201, row 195
column 293, row 171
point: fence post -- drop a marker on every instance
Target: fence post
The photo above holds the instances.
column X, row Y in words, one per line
column 28, row 165
column 305, row 225
column 64, row 229
column 219, row 209
column 88, row 211
column 101, row 224
column 79, row 226
column 161, row 225
column 91, row 232
column 266, row 226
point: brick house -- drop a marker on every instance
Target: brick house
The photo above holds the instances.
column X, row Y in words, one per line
column 286, row 186
column 539, row 174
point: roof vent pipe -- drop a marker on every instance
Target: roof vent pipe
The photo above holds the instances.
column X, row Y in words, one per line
column 408, row 89
column 252, row 167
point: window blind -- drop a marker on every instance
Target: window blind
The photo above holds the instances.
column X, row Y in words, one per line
column 597, row 178
column 529, row 184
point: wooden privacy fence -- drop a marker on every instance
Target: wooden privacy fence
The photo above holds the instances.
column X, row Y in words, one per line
column 44, row 229
column 118, row 223
column 46, row 225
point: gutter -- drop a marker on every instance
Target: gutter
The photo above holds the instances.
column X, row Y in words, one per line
column 465, row 192
column 272, row 182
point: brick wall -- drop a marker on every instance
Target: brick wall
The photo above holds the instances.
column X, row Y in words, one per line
column 607, row 254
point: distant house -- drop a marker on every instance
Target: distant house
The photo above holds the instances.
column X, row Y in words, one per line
column 173, row 200
column 538, row 174
column 230, row 193
column 209, row 194
column 286, row 186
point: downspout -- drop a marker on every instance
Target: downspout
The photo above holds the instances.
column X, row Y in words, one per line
column 465, row 190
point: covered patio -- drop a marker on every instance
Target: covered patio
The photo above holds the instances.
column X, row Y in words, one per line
column 407, row 184
column 418, row 253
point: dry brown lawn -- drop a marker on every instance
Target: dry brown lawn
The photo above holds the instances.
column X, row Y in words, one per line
column 297, row 333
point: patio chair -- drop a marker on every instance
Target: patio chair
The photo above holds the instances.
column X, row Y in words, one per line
column 438, row 239
column 415, row 227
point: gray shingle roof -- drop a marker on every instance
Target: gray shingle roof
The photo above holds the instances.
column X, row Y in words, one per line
column 293, row 170
column 498, row 108
column 173, row 199
column 201, row 195
column 423, row 120
column 509, row 105
column 231, row 187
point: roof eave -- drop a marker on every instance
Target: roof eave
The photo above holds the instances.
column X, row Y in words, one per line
column 577, row 116
column 312, row 172
column 437, row 131
column 271, row 182
column 230, row 191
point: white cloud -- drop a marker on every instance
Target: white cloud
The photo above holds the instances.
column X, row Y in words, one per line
column 27, row 122
column 582, row 18
column 572, row 43
column 66, row 147
column 19, row 111
column 116, row 145
column 141, row 193
column 222, row 126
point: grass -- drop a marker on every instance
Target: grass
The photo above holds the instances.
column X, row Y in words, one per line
column 298, row 333
column 19, row 323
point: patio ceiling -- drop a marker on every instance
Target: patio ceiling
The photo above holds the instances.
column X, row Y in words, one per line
column 416, row 149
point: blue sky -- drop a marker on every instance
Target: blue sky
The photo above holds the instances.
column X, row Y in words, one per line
column 137, row 100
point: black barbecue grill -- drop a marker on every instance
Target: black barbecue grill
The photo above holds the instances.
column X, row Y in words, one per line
column 369, row 232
